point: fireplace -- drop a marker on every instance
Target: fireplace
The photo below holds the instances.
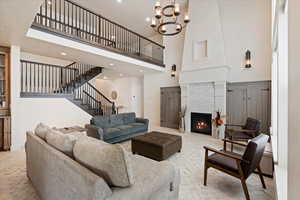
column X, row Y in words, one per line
column 201, row 123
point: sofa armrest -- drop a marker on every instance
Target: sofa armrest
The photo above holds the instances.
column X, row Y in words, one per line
column 94, row 131
column 142, row 120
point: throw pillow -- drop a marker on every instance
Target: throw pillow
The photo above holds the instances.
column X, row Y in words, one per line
column 111, row 162
column 41, row 130
column 62, row 142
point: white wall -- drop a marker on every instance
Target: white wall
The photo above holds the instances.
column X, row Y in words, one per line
column 294, row 104
column 130, row 93
column 205, row 25
column 28, row 112
column 230, row 28
column 153, row 82
column 247, row 25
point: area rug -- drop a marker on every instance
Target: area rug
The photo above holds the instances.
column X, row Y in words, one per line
column 14, row 184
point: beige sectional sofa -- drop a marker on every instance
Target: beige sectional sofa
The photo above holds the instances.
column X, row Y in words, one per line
column 56, row 175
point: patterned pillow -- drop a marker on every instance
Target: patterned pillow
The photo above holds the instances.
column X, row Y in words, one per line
column 111, row 162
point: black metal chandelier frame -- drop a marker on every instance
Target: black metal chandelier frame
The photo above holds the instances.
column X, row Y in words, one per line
column 167, row 18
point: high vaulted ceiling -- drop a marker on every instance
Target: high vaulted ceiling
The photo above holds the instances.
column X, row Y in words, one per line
column 129, row 13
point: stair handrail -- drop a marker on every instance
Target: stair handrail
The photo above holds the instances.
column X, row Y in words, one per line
column 100, row 93
column 41, row 63
column 69, row 65
column 90, row 96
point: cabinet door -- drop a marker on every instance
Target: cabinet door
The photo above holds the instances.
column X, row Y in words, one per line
column 259, row 104
column 236, row 105
column 170, row 107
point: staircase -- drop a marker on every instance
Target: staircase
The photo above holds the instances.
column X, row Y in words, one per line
column 70, row 82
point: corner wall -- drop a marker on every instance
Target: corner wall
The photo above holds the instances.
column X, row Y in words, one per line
column 130, row 93
column 26, row 113
column 153, row 82
column 293, row 100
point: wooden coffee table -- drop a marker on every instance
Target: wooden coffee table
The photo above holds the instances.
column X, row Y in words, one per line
column 156, row 145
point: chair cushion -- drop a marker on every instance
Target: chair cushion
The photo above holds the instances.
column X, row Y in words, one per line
column 224, row 162
column 128, row 118
column 41, row 130
column 116, row 120
column 61, row 142
column 238, row 135
column 111, row 162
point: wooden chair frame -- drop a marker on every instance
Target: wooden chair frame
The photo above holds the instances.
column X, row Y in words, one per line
column 240, row 174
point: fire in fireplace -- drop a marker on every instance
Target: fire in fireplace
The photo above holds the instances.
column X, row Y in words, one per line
column 201, row 123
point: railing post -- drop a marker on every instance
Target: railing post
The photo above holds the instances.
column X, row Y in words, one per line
column 139, row 46
column 113, row 108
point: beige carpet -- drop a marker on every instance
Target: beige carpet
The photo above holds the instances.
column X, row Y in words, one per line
column 14, row 184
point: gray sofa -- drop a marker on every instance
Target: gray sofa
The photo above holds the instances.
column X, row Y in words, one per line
column 55, row 175
column 117, row 128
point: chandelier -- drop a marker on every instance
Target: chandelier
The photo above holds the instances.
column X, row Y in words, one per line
column 166, row 20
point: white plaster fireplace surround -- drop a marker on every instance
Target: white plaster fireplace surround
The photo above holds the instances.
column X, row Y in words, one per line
column 202, row 92
column 204, row 65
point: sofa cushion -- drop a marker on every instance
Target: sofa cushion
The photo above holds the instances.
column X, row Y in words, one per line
column 41, row 130
column 136, row 127
column 112, row 133
column 128, row 118
column 116, row 120
column 111, row 162
column 61, row 142
column 137, row 124
column 158, row 175
column 101, row 121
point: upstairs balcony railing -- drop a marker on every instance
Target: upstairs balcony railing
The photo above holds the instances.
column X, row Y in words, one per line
column 68, row 19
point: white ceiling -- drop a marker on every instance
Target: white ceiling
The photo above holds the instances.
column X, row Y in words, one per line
column 129, row 13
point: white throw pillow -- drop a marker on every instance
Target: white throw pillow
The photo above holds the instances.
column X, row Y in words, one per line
column 111, row 162
column 41, row 130
column 62, row 142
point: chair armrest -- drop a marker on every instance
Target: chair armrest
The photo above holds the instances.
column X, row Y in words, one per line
column 233, row 142
column 94, row 131
column 223, row 153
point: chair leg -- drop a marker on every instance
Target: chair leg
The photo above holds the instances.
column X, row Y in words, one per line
column 243, row 181
column 261, row 178
column 231, row 147
column 205, row 175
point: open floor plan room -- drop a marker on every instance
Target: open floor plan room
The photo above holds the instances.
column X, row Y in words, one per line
column 149, row 100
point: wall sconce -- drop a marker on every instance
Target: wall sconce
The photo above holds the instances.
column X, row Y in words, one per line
column 248, row 59
column 173, row 71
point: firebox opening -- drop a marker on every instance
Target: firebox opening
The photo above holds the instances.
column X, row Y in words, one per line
column 201, row 123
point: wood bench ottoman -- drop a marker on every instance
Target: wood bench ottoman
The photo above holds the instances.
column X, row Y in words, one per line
column 155, row 145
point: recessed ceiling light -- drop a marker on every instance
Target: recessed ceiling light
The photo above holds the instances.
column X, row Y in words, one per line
column 111, row 64
column 148, row 19
column 105, row 77
column 119, row 1
column 63, row 53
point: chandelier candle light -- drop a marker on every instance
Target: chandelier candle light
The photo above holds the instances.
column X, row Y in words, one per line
column 166, row 21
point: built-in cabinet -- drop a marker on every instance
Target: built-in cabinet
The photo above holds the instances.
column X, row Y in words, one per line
column 170, row 107
column 251, row 99
column 5, row 119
